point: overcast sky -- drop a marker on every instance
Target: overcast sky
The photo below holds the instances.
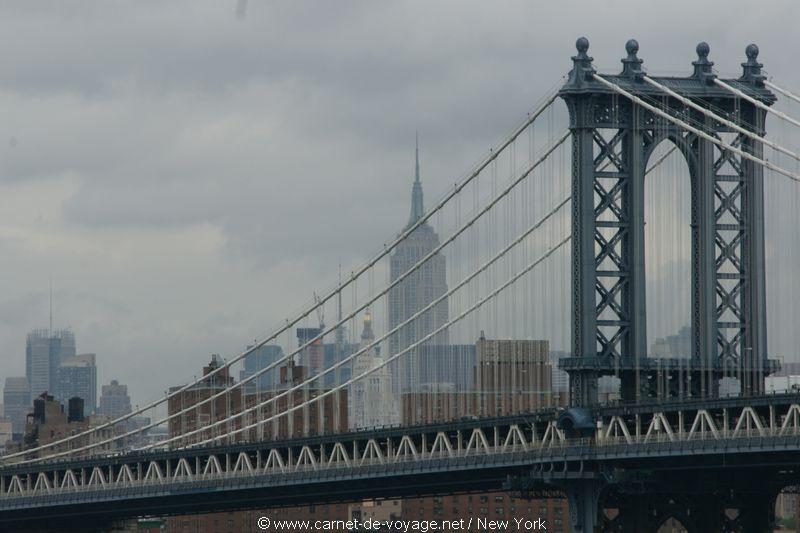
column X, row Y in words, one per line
column 185, row 175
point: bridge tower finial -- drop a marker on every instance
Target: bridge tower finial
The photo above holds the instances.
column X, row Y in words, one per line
column 582, row 69
column 703, row 67
column 751, row 69
column 632, row 65
column 417, row 204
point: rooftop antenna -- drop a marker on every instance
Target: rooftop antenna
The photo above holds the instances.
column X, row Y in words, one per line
column 51, row 305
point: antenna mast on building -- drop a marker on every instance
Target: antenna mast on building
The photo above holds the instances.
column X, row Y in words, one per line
column 51, row 305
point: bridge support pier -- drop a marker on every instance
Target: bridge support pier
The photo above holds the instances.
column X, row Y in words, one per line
column 648, row 512
column 583, row 496
column 758, row 513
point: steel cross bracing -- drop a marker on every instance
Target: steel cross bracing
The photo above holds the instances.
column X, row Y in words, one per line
column 616, row 122
column 541, row 442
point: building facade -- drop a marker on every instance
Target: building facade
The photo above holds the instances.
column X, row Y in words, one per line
column 6, row 434
column 16, row 402
column 509, row 377
column 44, row 351
column 371, row 401
column 49, row 421
column 260, row 359
column 416, row 292
column 328, row 415
column 205, row 414
column 77, row 376
column 114, row 400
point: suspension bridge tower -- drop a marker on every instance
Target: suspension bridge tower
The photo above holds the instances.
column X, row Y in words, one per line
column 613, row 137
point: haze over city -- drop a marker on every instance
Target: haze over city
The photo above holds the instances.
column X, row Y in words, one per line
column 185, row 173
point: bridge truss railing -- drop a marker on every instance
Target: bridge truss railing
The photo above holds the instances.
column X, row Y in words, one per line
column 533, row 440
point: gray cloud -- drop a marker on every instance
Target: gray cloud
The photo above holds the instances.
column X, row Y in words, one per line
column 186, row 174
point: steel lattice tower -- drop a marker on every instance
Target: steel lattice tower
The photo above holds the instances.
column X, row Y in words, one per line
column 612, row 141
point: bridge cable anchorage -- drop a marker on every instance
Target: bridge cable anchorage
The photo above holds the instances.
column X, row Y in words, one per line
column 721, row 120
column 326, row 393
column 721, row 144
column 758, row 104
column 385, row 250
column 332, row 328
column 784, row 92
column 538, row 224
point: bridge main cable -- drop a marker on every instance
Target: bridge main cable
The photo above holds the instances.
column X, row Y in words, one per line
column 377, row 341
column 787, row 93
column 347, row 383
column 538, row 224
column 530, row 119
column 332, row 328
column 760, row 105
column 721, row 119
column 365, row 305
column 721, row 144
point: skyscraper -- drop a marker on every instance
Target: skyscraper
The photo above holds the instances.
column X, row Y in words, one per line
column 260, row 359
column 44, row 352
column 114, row 400
column 77, row 376
column 416, row 291
column 371, row 403
column 16, row 402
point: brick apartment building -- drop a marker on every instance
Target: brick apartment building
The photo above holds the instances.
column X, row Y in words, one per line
column 510, row 377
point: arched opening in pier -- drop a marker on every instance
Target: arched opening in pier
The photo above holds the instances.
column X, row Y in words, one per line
column 668, row 253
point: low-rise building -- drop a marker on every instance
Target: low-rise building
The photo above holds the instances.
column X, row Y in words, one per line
column 50, row 422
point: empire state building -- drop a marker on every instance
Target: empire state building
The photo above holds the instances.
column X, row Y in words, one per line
column 416, row 292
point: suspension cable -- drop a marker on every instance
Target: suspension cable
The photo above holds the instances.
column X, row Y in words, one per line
column 427, row 337
column 721, row 119
column 493, row 154
column 400, row 326
column 721, row 144
column 784, row 92
column 757, row 103
column 344, row 319
column 383, row 337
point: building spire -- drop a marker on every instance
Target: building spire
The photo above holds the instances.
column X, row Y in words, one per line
column 417, row 205
column 416, row 156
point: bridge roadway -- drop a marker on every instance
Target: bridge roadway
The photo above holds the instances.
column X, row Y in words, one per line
column 681, row 448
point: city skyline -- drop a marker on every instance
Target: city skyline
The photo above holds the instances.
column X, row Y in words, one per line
column 438, row 263
column 209, row 198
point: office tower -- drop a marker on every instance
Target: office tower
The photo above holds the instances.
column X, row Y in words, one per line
column 207, row 413
column 416, row 291
column 16, row 402
column 439, row 364
column 260, row 359
column 77, row 376
column 114, row 400
column 510, row 377
column 371, row 402
column 44, row 351
column 313, row 355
